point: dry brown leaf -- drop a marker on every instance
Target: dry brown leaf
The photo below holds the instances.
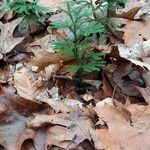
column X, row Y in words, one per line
column 110, row 113
column 26, row 107
column 57, row 103
column 13, row 131
column 136, row 32
column 126, row 87
column 7, row 41
column 145, row 92
column 27, row 86
column 107, row 87
column 120, row 134
column 51, row 3
column 43, row 59
column 128, row 15
column 140, row 116
column 144, row 13
column 51, row 70
column 62, row 137
column 44, row 54
column 136, row 53
column 74, row 124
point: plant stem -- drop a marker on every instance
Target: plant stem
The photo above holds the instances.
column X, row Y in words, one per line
column 76, row 40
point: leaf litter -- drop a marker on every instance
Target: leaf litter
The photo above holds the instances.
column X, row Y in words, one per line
column 40, row 108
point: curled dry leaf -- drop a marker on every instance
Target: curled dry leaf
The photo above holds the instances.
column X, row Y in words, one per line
column 57, row 103
column 135, row 32
column 26, row 84
column 135, row 53
column 51, row 70
column 128, row 15
column 145, row 92
column 144, row 12
column 7, row 41
column 13, row 130
column 72, row 126
column 62, row 137
column 110, row 113
column 44, row 55
column 119, row 130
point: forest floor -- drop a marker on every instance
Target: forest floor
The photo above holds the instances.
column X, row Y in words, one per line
column 40, row 106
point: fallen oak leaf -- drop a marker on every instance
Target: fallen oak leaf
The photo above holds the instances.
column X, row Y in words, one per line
column 127, row 15
column 119, row 132
column 139, row 63
column 135, row 53
column 57, row 103
column 135, row 32
column 27, row 86
column 44, row 54
column 108, row 112
column 62, row 137
column 50, row 3
column 71, row 126
column 7, row 41
column 42, row 120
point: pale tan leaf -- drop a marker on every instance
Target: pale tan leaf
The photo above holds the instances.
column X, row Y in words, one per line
column 57, row 103
column 62, row 137
column 7, row 41
column 52, row 4
column 45, row 54
column 74, row 124
column 139, row 63
column 136, row 32
column 27, row 86
column 136, row 53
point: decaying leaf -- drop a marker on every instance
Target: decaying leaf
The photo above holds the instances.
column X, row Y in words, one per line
column 136, row 53
column 62, row 137
column 110, row 113
column 120, row 133
column 44, row 54
column 57, row 103
column 73, row 123
column 128, row 15
column 7, row 41
column 42, row 118
column 26, row 84
column 50, row 3
column 14, row 122
column 136, row 32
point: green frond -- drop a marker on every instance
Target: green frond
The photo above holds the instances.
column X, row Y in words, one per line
column 91, row 28
column 30, row 11
column 64, row 47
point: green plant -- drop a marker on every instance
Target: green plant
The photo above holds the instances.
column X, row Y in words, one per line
column 82, row 28
column 29, row 11
column 102, row 10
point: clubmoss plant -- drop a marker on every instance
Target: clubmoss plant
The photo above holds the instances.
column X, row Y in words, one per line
column 28, row 11
column 82, row 29
column 85, row 20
